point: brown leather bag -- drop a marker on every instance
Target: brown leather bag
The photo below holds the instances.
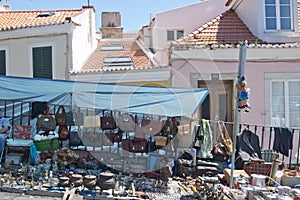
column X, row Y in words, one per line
column 138, row 146
column 108, row 123
column 60, row 116
column 63, row 132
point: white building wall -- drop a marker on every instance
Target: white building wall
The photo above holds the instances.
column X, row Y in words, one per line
column 83, row 39
column 19, row 54
column 187, row 18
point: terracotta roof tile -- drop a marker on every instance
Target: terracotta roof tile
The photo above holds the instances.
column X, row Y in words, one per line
column 10, row 20
column 131, row 49
column 227, row 28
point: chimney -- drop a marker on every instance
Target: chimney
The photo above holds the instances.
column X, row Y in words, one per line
column 111, row 25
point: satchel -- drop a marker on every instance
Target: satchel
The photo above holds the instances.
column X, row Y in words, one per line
column 161, row 141
column 46, row 122
column 91, row 122
column 138, row 146
column 108, row 123
column 126, row 122
column 63, row 132
column 151, row 127
column 60, row 116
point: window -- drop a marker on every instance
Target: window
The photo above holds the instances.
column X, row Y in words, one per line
column 278, row 15
column 285, row 103
column 174, row 34
column 179, row 34
column 170, row 35
column 42, row 62
column 121, row 59
column 2, row 62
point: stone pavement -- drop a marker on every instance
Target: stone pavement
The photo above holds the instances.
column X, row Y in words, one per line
column 22, row 196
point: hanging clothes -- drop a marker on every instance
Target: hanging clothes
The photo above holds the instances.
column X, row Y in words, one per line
column 247, row 147
column 204, row 133
column 283, row 140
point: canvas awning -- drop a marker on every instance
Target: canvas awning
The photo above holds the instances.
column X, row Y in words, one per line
column 152, row 100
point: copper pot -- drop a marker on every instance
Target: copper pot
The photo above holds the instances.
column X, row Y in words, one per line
column 64, row 181
column 106, row 181
column 76, row 180
column 89, row 181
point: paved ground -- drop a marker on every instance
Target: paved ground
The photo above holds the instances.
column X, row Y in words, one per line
column 22, row 196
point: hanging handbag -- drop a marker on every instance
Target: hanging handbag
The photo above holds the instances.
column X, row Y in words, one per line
column 91, row 122
column 108, row 123
column 151, row 127
column 46, row 122
column 161, row 141
column 74, row 139
column 126, row 122
column 63, row 132
column 60, row 116
column 138, row 146
column 223, row 146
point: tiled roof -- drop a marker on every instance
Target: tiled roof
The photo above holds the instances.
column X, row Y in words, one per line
column 11, row 20
column 226, row 28
column 131, row 49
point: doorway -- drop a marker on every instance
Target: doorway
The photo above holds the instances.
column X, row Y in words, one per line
column 219, row 103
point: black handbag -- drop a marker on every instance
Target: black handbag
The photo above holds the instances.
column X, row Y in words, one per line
column 108, row 123
column 75, row 139
column 46, row 122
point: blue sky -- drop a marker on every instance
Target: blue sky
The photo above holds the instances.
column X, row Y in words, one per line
column 134, row 13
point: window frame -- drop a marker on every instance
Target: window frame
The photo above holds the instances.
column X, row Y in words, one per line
column 287, row 111
column 6, row 50
column 41, row 45
column 174, row 34
column 278, row 18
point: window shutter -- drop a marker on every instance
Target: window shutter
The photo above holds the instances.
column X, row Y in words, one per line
column 2, row 63
column 42, row 62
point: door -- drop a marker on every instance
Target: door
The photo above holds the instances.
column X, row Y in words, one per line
column 218, row 104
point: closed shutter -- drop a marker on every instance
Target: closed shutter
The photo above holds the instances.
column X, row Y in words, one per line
column 206, row 108
column 2, row 63
column 42, row 62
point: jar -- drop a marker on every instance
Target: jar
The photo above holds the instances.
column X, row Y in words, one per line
column 106, row 181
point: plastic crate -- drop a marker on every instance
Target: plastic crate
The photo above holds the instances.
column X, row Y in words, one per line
column 47, row 145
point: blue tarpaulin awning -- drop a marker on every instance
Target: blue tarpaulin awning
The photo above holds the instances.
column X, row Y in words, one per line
column 152, row 100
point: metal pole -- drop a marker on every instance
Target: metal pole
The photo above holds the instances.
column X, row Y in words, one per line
column 241, row 66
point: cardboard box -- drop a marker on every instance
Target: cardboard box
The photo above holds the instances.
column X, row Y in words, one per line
column 236, row 173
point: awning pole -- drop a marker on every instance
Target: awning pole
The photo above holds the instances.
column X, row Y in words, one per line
column 241, row 67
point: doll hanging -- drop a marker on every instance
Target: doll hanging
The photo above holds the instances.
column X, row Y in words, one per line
column 243, row 92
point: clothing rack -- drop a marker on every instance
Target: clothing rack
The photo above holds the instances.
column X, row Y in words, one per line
column 263, row 131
